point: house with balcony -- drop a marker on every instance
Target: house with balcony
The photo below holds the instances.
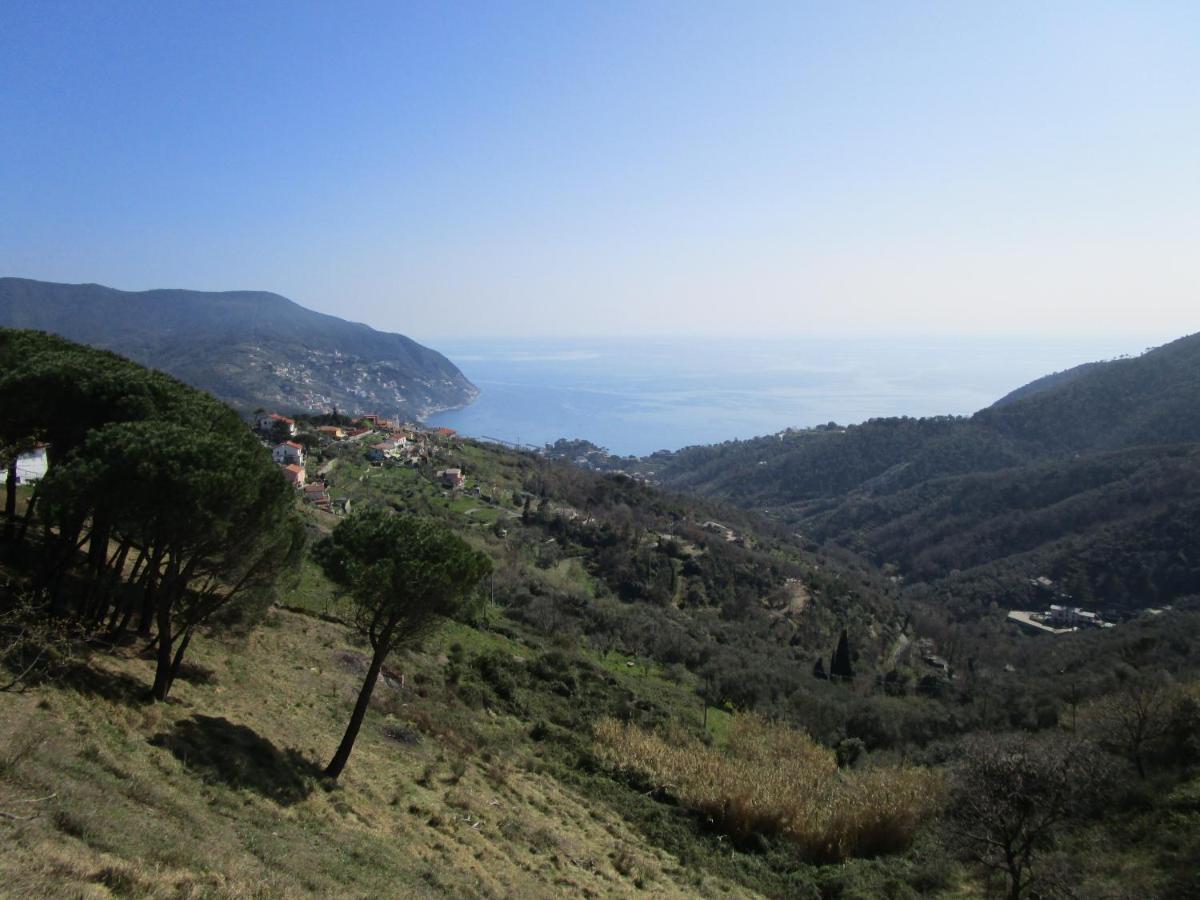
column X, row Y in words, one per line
column 288, row 453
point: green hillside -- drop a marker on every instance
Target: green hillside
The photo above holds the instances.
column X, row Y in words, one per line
column 250, row 348
column 1089, row 475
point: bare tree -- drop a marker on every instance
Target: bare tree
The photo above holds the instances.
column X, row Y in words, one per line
column 1132, row 719
column 1012, row 794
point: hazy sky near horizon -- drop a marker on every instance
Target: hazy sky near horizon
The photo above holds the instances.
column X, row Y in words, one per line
column 596, row 168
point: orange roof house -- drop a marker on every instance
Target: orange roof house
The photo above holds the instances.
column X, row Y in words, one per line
column 288, row 452
column 267, row 422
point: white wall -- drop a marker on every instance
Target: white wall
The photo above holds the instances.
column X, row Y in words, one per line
column 30, row 467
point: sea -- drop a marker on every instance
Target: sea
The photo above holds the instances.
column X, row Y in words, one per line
column 636, row 396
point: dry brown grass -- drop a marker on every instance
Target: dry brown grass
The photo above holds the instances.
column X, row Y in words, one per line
column 211, row 795
column 772, row 780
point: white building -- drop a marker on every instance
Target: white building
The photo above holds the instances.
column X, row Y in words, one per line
column 1072, row 615
column 31, row 467
column 289, row 452
column 267, row 422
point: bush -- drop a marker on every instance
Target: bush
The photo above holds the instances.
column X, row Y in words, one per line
column 773, row 781
column 33, row 647
column 849, row 751
column 497, row 671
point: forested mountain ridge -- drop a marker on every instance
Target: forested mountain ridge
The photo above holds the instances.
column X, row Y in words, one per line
column 1088, row 475
column 249, row 348
column 1148, row 399
column 1046, row 383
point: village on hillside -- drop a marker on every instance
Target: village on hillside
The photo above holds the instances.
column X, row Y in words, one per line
column 380, row 441
column 295, row 443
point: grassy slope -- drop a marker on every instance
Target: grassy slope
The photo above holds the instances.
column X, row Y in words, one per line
column 216, row 792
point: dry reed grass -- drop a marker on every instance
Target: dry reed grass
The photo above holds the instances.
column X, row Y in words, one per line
column 772, row 780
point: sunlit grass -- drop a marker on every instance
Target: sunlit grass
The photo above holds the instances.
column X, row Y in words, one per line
column 773, row 781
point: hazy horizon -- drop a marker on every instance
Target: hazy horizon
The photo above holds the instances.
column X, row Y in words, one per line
column 1131, row 342
column 638, row 395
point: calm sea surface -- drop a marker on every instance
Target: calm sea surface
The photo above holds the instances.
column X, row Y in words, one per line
column 637, row 396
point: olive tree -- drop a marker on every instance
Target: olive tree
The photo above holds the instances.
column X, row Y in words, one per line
column 405, row 575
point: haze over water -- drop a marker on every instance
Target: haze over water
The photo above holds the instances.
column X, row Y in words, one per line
column 638, row 396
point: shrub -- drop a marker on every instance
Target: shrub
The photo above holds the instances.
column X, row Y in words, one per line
column 497, row 671
column 1011, row 793
column 849, row 751
column 773, row 781
column 33, row 647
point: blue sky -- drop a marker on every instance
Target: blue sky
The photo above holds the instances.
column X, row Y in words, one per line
column 570, row 168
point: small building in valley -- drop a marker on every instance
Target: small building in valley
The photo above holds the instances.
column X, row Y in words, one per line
column 288, row 452
column 1071, row 616
column 317, row 494
column 267, row 422
column 451, row 478
column 386, row 450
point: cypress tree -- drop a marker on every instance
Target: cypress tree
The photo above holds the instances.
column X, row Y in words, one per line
column 840, row 667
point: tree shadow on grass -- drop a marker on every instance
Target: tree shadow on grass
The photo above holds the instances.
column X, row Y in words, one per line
column 115, row 686
column 239, row 757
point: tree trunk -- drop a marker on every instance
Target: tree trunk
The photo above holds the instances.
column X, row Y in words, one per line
column 10, row 502
column 162, row 669
column 28, row 517
column 117, row 630
column 97, row 559
column 334, row 769
column 123, row 607
column 178, row 661
column 110, row 583
column 152, row 582
column 167, row 592
column 1015, row 875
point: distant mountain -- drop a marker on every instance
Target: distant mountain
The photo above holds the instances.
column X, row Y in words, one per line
column 250, row 348
column 1091, row 476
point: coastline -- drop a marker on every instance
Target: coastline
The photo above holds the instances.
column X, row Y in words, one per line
column 426, row 412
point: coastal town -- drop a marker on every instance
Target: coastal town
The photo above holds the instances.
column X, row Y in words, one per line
column 295, row 442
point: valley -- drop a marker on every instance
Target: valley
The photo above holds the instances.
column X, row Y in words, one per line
column 633, row 702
